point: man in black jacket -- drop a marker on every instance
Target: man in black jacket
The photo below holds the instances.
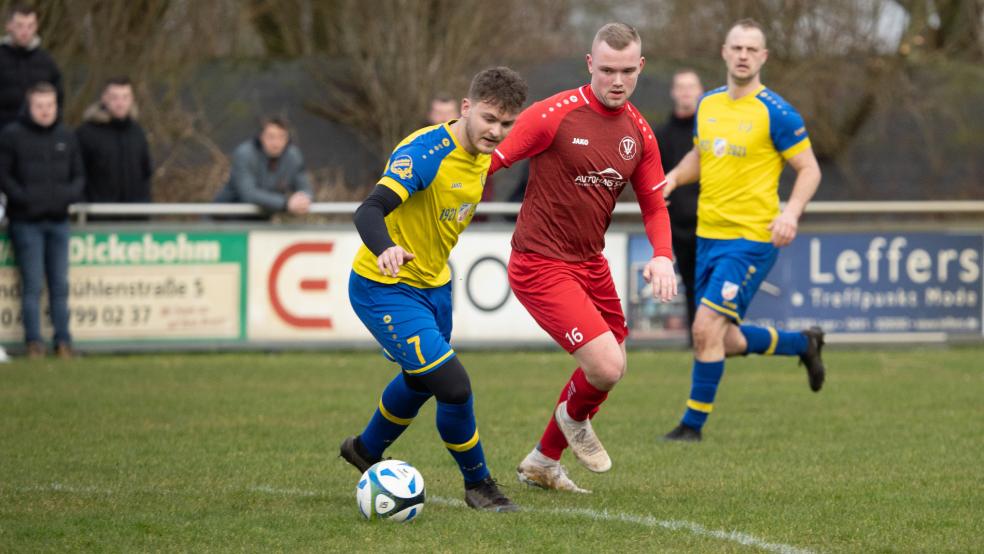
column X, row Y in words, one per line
column 676, row 138
column 23, row 62
column 114, row 148
column 41, row 172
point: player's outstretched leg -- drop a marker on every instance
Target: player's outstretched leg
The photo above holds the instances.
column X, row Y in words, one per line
column 805, row 344
column 398, row 406
column 456, row 424
column 538, row 470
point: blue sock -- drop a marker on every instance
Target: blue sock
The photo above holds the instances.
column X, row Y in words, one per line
column 397, row 408
column 703, row 387
column 456, row 424
column 768, row 341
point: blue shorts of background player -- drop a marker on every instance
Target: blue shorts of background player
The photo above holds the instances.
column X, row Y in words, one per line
column 729, row 273
column 413, row 325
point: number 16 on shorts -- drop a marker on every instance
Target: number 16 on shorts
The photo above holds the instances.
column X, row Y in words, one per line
column 574, row 336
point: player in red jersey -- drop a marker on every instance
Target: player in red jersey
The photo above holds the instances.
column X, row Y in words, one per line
column 585, row 145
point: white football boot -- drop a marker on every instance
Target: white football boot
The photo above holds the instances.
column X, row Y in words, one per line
column 583, row 441
column 537, row 470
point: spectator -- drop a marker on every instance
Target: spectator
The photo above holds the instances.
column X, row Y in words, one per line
column 676, row 139
column 41, row 172
column 114, row 147
column 443, row 108
column 269, row 171
column 23, row 63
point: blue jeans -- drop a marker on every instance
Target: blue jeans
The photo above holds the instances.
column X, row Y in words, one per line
column 41, row 251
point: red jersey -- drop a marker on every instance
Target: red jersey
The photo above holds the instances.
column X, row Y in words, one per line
column 582, row 155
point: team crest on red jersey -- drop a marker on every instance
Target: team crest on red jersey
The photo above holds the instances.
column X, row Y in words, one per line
column 627, row 148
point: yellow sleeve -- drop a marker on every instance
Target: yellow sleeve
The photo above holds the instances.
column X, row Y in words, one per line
column 395, row 186
column 796, row 148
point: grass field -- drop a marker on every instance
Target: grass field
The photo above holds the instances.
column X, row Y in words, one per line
column 239, row 453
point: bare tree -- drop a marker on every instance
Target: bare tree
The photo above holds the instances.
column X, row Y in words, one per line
column 853, row 67
column 394, row 56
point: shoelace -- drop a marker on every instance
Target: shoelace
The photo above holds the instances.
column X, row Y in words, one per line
column 561, row 474
column 490, row 490
column 592, row 447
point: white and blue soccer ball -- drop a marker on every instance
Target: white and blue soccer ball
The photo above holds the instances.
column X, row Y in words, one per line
column 391, row 489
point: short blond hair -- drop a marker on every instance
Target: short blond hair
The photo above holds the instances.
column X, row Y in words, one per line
column 617, row 35
column 748, row 23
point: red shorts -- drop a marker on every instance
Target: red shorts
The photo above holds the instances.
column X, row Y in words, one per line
column 573, row 302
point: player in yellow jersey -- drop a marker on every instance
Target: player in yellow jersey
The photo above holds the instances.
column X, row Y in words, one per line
column 743, row 135
column 400, row 285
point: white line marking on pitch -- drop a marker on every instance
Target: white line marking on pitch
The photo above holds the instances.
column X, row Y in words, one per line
column 58, row 487
column 650, row 521
column 282, row 492
column 604, row 515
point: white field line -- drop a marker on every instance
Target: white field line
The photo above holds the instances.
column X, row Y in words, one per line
column 58, row 487
column 282, row 492
column 603, row 515
column 650, row 521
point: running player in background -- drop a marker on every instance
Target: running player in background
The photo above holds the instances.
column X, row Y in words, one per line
column 743, row 135
column 585, row 145
column 400, row 283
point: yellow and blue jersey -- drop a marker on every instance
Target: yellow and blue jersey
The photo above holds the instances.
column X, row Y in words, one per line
column 441, row 185
column 743, row 146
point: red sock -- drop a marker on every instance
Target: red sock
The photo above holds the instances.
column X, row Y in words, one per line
column 552, row 442
column 584, row 399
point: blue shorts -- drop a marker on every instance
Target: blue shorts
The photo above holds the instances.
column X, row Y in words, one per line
column 729, row 273
column 412, row 325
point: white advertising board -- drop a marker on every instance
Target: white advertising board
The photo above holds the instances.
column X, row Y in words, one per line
column 298, row 288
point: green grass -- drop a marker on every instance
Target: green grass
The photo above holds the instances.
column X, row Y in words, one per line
column 239, row 453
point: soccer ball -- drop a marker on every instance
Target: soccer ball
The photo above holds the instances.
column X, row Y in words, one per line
column 392, row 490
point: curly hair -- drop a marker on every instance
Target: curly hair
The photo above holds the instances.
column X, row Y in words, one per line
column 499, row 86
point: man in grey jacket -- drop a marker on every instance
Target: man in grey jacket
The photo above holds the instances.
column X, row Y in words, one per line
column 269, row 171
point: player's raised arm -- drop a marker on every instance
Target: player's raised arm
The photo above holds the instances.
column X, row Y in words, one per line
column 786, row 224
